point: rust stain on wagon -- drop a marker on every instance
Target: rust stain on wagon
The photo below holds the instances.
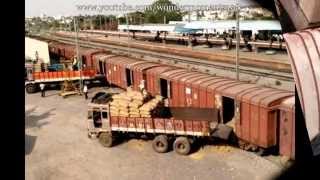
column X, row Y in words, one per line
column 304, row 50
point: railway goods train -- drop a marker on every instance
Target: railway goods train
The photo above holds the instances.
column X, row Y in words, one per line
column 261, row 117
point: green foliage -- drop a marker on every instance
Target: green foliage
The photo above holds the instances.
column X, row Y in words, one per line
column 135, row 18
column 157, row 11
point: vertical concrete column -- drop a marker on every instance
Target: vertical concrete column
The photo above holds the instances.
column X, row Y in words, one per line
column 165, row 37
column 189, row 41
column 255, row 48
column 133, row 34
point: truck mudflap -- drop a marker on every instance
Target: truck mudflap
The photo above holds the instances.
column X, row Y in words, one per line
column 222, row 131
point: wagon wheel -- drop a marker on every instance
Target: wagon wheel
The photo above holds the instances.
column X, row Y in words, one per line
column 31, row 88
column 160, row 144
column 105, row 139
column 182, row 146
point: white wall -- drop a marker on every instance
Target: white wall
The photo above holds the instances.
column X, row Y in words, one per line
column 33, row 45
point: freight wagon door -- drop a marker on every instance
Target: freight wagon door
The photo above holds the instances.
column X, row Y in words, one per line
column 188, row 96
column 101, row 68
column 105, row 119
column 129, row 77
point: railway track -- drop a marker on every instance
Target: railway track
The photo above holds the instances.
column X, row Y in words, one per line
column 262, row 62
column 148, row 36
column 176, row 59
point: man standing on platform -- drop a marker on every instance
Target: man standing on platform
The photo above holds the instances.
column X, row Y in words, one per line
column 42, row 90
column 85, row 90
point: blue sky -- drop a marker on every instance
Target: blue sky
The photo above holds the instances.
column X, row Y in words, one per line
column 68, row 7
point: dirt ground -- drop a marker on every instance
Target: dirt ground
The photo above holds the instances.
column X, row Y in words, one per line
column 57, row 147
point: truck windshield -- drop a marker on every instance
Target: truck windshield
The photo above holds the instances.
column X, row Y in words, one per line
column 97, row 119
column 104, row 115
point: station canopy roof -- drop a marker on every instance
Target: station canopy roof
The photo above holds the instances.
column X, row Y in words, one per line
column 195, row 26
column 150, row 27
column 253, row 25
column 180, row 29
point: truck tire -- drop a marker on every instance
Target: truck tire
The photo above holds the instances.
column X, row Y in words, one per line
column 31, row 88
column 182, row 146
column 160, row 144
column 106, row 139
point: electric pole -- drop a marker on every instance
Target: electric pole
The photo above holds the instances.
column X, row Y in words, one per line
column 100, row 22
column 105, row 23
column 91, row 23
column 140, row 18
column 118, row 24
column 238, row 41
column 77, row 51
column 128, row 32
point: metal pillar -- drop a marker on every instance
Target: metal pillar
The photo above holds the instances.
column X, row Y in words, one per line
column 128, row 32
column 77, row 51
column 238, row 41
column 105, row 23
column 100, row 22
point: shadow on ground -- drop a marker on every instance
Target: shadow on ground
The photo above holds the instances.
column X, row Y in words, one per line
column 302, row 169
column 29, row 143
column 36, row 120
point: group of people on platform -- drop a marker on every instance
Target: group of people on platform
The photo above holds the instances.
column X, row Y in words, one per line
column 228, row 38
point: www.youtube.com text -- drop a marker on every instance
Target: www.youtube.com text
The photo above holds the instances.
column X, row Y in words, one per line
column 124, row 7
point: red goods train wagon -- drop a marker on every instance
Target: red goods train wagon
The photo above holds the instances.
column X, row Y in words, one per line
column 69, row 52
column 124, row 71
column 253, row 110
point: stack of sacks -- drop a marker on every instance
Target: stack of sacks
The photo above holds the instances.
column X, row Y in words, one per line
column 137, row 100
column 119, row 105
column 147, row 109
column 127, row 104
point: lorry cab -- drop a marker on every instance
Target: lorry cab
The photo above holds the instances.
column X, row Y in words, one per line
column 98, row 119
column 28, row 72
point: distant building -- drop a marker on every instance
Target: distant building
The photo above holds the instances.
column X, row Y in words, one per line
column 36, row 49
column 245, row 13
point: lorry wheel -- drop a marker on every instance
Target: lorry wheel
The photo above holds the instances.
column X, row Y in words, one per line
column 105, row 139
column 182, row 146
column 160, row 144
column 31, row 88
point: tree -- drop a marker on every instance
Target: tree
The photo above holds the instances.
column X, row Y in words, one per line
column 160, row 9
column 136, row 17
